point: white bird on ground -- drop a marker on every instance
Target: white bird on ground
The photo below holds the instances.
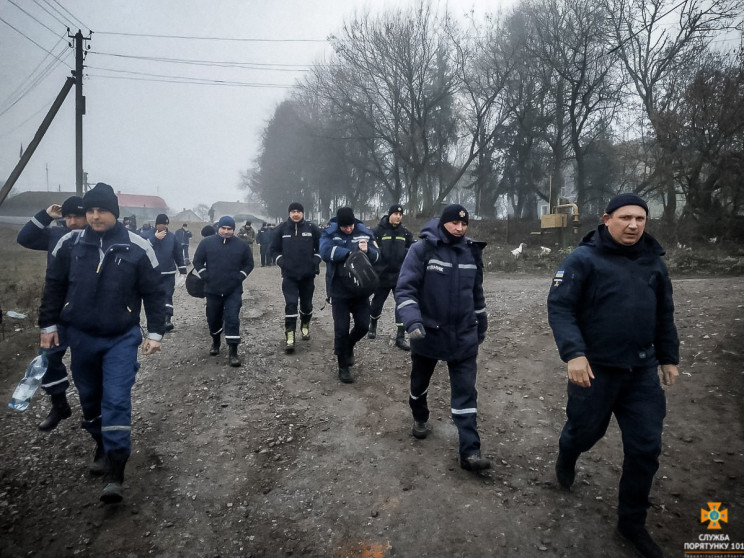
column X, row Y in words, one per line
column 517, row 252
column 544, row 251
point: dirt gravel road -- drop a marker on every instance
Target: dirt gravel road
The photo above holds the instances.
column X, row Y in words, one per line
column 278, row 458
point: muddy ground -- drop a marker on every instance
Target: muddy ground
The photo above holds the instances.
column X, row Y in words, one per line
column 278, row 458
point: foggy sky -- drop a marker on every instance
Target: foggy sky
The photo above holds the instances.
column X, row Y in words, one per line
column 185, row 142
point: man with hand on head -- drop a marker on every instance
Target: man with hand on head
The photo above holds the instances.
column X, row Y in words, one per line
column 615, row 275
column 96, row 283
column 39, row 234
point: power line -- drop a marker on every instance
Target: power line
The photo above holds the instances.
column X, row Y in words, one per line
column 190, row 80
column 29, row 38
column 65, row 24
column 34, row 18
column 81, row 26
column 212, row 63
column 191, row 37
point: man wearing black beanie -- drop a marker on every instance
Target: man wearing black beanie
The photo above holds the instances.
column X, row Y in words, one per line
column 296, row 243
column 393, row 240
column 440, row 300
column 346, row 234
column 95, row 287
column 615, row 275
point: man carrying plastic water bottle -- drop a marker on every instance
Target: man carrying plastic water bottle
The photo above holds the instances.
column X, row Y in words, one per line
column 96, row 284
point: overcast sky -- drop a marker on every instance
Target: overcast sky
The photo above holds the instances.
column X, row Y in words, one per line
column 146, row 131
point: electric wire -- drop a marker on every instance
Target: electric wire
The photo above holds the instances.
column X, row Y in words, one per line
column 34, row 18
column 212, row 63
column 187, row 80
column 27, row 37
column 65, row 24
column 74, row 18
column 192, row 37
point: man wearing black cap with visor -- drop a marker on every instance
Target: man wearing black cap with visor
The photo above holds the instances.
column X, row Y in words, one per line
column 611, row 310
column 296, row 244
column 39, row 234
column 393, row 239
column 440, row 300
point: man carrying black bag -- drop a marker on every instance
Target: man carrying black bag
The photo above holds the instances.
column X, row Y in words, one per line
column 344, row 235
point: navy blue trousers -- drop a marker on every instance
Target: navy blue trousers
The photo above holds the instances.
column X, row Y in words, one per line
column 223, row 312
column 297, row 292
column 639, row 405
column 463, row 397
column 104, row 369
column 169, row 287
column 55, row 379
column 343, row 310
column 378, row 301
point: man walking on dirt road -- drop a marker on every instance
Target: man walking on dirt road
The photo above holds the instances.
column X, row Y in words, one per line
column 611, row 310
column 296, row 243
column 345, row 233
column 393, row 239
column 223, row 262
column 440, row 300
column 39, row 234
column 96, row 284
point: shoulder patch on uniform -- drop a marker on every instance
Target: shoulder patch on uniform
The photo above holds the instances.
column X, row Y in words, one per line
column 558, row 279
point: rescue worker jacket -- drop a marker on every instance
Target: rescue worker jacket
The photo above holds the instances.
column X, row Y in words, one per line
column 223, row 263
column 613, row 304
column 39, row 234
column 168, row 251
column 335, row 247
column 441, row 287
column 183, row 236
column 297, row 246
column 97, row 283
column 393, row 242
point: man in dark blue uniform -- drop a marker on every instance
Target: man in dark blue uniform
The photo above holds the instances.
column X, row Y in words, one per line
column 223, row 262
column 39, row 234
column 440, row 300
column 393, row 239
column 183, row 237
column 611, row 310
column 346, row 233
column 296, row 244
column 96, row 284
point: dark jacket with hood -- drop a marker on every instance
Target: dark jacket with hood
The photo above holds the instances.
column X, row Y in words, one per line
column 613, row 304
column 335, row 247
column 441, row 287
column 98, row 282
column 223, row 263
column 297, row 246
column 393, row 242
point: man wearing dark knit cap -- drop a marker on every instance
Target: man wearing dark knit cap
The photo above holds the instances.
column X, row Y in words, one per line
column 393, row 239
column 96, row 285
column 39, row 234
column 440, row 300
column 170, row 261
column 345, row 234
column 611, row 310
column 223, row 262
column 296, row 244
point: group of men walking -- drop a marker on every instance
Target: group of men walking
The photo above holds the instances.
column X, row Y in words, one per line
column 100, row 275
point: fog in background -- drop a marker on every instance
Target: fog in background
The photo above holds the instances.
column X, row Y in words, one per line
column 180, row 118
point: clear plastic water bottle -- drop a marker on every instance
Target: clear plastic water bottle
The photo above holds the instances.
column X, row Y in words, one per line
column 29, row 384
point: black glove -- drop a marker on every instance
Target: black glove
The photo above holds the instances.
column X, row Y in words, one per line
column 416, row 332
column 317, row 268
column 204, row 276
column 482, row 327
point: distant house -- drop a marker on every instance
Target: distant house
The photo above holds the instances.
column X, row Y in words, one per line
column 186, row 216
column 241, row 212
column 21, row 207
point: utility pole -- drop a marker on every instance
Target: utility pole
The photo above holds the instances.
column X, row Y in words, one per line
column 79, row 110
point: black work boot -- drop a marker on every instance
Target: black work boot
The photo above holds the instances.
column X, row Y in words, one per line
column 565, row 469
column 640, row 540
column 305, row 330
column 215, row 350
column 372, row 333
column 233, row 353
column 420, row 429
column 168, row 324
column 400, row 339
column 345, row 375
column 474, row 462
column 60, row 410
column 113, row 488
column 289, row 341
column 99, row 465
